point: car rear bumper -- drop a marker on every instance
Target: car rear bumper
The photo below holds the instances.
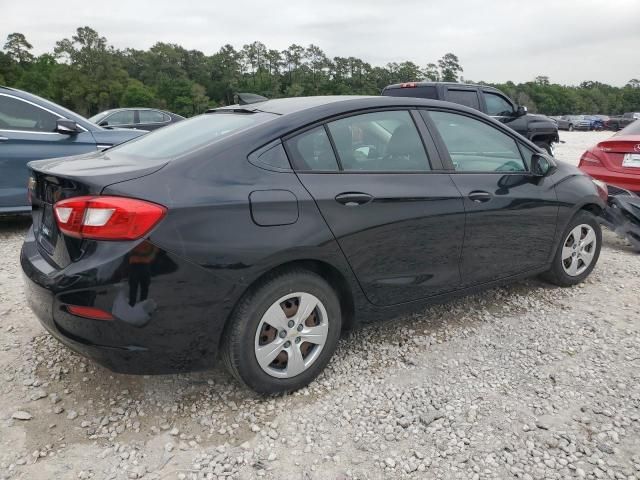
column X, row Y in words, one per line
column 180, row 332
column 622, row 180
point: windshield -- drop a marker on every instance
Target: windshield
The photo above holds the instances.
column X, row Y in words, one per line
column 96, row 118
column 188, row 135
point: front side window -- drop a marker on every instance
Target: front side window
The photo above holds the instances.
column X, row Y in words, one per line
column 468, row 98
column 475, row 146
column 125, row 117
column 379, row 141
column 16, row 114
column 152, row 116
column 311, row 150
column 497, row 106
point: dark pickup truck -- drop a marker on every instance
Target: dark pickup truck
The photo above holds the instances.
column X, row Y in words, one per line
column 539, row 129
column 618, row 123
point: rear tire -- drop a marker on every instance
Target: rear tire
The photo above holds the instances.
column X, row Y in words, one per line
column 268, row 323
column 578, row 251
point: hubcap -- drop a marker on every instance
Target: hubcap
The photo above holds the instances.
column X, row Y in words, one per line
column 578, row 250
column 291, row 335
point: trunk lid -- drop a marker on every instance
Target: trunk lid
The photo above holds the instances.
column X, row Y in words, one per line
column 60, row 178
column 622, row 153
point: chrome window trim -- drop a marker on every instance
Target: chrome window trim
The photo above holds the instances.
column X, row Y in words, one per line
column 153, row 123
column 41, row 108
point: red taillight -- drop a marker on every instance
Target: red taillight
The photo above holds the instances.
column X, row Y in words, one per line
column 89, row 312
column 589, row 159
column 409, row 85
column 107, row 218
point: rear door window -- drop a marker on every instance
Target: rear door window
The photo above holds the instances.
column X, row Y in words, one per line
column 125, row 117
column 312, row 151
column 379, row 141
column 475, row 146
column 151, row 116
column 468, row 98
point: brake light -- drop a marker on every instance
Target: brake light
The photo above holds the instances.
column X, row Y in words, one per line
column 589, row 159
column 107, row 218
column 89, row 312
column 409, row 85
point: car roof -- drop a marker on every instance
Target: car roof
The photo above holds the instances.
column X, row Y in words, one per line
column 334, row 104
column 426, row 83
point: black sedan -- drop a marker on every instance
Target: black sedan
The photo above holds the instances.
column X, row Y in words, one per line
column 260, row 232
column 139, row 118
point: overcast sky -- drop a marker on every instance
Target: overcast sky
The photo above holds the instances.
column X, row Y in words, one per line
column 496, row 40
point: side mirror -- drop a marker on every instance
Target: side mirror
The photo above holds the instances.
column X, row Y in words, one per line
column 66, row 127
column 540, row 165
column 521, row 111
column 104, row 123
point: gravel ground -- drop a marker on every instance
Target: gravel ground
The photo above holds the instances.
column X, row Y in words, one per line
column 526, row 381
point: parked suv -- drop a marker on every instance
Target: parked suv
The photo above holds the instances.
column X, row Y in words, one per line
column 539, row 129
column 32, row 128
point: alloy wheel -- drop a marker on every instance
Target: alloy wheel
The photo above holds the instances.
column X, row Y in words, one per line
column 578, row 250
column 291, row 335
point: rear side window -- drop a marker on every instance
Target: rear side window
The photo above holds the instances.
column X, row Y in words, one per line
column 469, row 98
column 183, row 137
column 124, row 117
column 311, row 150
column 19, row 115
column 379, row 141
column 417, row 92
column 475, row 146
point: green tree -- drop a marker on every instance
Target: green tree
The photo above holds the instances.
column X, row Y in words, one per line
column 450, row 68
column 18, row 48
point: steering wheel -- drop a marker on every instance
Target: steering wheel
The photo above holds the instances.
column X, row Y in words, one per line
column 510, row 166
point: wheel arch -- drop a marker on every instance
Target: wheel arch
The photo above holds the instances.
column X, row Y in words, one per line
column 332, row 275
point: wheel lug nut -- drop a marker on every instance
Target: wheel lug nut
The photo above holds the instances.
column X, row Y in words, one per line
column 300, row 327
column 298, row 339
column 291, row 323
column 287, row 344
column 282, row 334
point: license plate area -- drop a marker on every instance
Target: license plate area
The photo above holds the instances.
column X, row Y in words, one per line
column 631, row 160
column 48, row 231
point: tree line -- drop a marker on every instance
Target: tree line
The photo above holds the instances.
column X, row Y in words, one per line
column 86, row 74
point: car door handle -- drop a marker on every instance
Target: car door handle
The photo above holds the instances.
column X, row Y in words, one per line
column 353, row 199
column 479, row 196
column 3, row 139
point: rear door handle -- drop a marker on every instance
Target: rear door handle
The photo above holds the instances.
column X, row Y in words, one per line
column 3, row 139
column 353, row 199
column 479, row 196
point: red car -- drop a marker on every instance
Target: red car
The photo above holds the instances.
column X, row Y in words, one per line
column 616, row 160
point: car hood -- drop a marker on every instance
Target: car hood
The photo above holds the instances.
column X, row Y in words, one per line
column 107, row 138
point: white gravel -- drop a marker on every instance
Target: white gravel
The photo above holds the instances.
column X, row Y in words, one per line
column 524, row 382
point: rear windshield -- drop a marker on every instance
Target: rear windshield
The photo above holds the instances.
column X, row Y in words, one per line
column 632, row 129
column 417, row 92
column 186, row 136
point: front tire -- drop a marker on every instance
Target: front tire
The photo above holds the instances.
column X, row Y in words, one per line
column 570, row 128
column 578, row 251
column 283, row 332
